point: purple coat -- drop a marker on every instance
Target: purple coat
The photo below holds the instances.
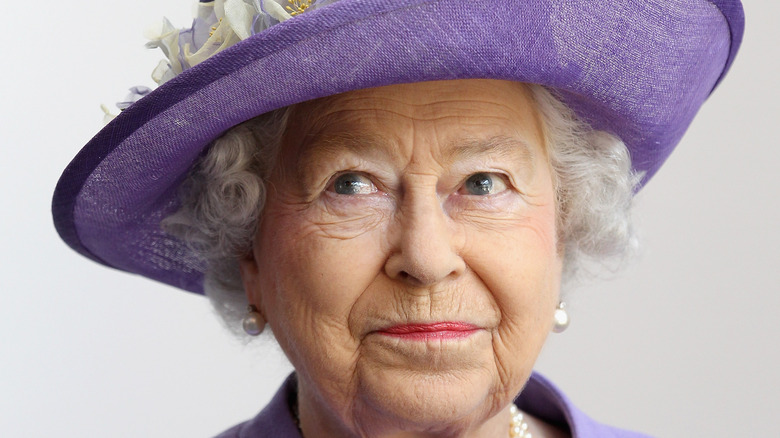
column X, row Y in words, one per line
column 539, row 398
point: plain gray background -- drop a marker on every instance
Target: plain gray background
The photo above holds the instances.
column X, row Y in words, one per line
column 682, row 344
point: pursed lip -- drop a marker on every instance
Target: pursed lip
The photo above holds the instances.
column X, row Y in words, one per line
column 430, row 331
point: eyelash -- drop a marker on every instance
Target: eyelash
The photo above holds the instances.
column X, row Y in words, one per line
column 502, row 179
column 502, row 186
column 332, row 184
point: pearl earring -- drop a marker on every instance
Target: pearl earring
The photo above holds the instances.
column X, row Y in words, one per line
column 560, row 318
column 253, row 322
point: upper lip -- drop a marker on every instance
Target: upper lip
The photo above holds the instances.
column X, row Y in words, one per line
column 423, row 327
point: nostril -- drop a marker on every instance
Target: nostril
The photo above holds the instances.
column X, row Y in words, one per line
column 424, row 253
column 420, row 279
column 409, row 278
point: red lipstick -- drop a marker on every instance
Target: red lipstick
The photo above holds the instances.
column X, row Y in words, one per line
column 425, row 332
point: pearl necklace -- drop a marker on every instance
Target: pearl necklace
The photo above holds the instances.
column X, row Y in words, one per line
column 518, row 428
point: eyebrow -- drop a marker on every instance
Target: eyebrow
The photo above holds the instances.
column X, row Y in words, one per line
column 372, row 145
column 333, row 145
column 502, row 146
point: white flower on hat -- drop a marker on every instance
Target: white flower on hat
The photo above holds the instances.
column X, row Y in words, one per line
column 136, row 93
column 218, row 25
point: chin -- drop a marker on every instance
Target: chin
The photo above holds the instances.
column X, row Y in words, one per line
column 428, row 401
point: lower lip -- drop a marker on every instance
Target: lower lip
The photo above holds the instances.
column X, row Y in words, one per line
column 428, row 332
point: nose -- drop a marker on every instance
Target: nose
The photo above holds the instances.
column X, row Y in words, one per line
column 424, row 243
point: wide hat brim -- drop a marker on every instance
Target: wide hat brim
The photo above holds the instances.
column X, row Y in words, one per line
column 638, row 69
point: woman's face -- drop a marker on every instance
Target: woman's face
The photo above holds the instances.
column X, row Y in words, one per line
column 407, row 259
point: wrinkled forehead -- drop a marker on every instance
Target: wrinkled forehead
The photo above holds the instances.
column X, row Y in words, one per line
column 460, row 118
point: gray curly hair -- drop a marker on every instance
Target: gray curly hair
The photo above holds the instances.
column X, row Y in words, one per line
column 224, row 195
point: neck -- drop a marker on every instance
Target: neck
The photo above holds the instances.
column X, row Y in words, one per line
column 316, row 420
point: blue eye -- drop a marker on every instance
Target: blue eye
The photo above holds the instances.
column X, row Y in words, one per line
column 353, row 184
column 481, row 184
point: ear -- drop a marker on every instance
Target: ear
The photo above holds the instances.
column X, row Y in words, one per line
column 249, row 270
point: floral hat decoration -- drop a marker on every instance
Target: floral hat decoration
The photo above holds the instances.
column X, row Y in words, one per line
column 636, row 68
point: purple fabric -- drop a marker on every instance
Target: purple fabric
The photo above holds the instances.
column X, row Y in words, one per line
column 638, row 69
column 539, row 398
column 735, row 17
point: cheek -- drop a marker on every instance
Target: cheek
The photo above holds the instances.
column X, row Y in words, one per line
column 518, row 255
column 521, row 267
column 311, row 279
column 522, row 272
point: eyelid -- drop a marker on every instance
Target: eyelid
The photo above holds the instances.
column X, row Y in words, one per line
column 505, row 179
column 330, row 186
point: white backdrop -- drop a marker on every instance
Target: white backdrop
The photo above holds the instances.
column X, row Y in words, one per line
column 682, row 344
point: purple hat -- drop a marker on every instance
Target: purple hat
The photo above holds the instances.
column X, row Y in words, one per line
column 638, row 69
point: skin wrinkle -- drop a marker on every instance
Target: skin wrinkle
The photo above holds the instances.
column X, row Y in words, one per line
column 357, row 335
column 320, row 148
column 368, row 222
column 431, row 253
column 591, row 209
column 500, row 146
column 495, row 338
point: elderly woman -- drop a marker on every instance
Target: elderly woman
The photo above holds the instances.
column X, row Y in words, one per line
column 398, row 190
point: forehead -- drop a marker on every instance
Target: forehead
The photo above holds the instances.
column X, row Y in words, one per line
column 451, row 115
